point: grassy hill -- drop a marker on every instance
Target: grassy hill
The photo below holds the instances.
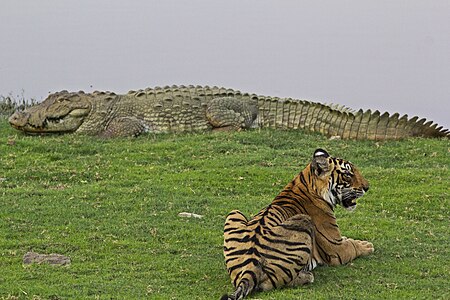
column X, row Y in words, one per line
column 112, row 206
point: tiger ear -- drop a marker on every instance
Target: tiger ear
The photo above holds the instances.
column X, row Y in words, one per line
column 320, row 164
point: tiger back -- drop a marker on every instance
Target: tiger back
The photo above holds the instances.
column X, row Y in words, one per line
column 286, row 240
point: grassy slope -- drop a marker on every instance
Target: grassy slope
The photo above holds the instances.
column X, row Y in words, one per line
column 112, row 207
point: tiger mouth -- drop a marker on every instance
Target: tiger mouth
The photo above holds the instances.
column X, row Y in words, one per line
column 349, row 200
column 351, row 206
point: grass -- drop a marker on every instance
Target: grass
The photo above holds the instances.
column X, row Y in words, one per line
column 112, row 206
column 11, row 103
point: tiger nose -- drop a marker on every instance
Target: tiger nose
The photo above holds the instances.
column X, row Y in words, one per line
column 366, row 188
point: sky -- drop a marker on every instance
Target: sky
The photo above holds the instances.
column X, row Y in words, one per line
column 388, row 55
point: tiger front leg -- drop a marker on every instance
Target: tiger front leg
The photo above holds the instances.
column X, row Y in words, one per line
column 348, row 250
column 363, row 248
column 230, row 113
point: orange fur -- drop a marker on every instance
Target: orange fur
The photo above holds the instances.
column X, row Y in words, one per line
column 286, row 240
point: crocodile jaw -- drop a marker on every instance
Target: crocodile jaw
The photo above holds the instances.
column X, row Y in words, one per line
column 23, row 121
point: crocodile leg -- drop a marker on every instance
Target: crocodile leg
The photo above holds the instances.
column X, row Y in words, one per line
column 124, row 127
column 230, row 112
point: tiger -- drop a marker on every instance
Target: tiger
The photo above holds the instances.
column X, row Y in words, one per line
column 285, row 241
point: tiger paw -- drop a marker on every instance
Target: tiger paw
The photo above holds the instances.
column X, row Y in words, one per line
column 364, row 247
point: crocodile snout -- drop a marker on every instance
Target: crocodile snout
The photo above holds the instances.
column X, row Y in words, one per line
column 19, row 119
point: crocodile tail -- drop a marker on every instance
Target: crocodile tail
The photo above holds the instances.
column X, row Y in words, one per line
column 368, row 125
column 377, row 126
column 333, row 120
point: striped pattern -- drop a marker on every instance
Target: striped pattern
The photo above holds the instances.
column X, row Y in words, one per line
column 285, row 241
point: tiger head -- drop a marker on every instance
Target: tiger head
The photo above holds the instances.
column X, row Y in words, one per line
column 338, row 180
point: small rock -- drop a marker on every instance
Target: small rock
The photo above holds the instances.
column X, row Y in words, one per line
column 189, row 215
column 53, row 259
column 11, row 141
column 335, row 137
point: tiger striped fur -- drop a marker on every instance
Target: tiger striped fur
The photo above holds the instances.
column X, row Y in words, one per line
column 285, row 241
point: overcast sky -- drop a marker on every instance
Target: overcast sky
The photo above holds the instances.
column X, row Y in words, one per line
column 388, row 55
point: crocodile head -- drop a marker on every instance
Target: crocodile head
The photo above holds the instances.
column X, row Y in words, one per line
column 61, row 112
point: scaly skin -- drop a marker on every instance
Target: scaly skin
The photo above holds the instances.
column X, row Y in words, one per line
column 181, row 108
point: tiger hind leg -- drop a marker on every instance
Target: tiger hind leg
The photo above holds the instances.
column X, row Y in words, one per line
column 234, row 220
column 291, row 241
column 303, row 277
column 243, row 268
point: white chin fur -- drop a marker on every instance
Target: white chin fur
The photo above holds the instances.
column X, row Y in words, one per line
column 351, row 208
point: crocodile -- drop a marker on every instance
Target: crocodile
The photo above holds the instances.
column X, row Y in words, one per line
column 202, row 108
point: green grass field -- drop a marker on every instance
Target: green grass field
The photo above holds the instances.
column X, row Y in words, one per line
column 112, row 206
